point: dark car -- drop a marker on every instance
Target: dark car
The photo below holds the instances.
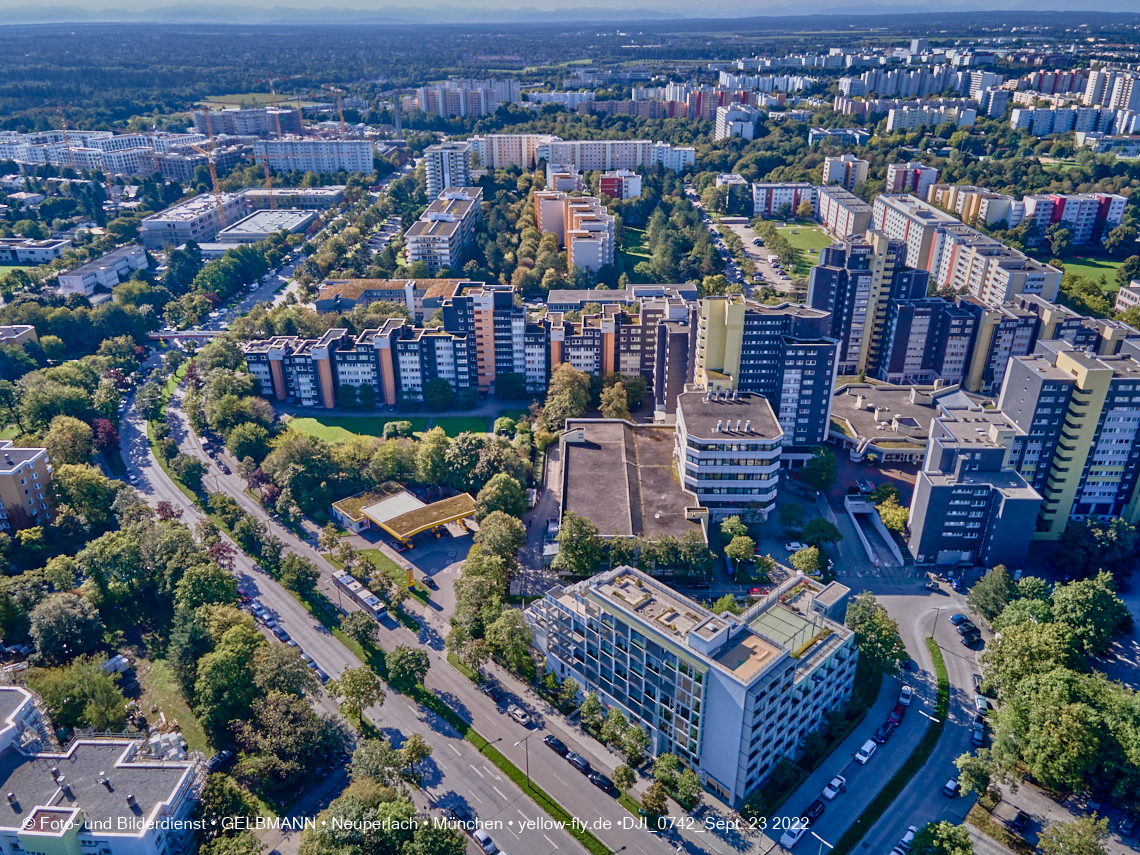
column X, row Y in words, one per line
column 555, row 744
column 281, row 634
column 396, row 545
column 430, row 582
column 814, row 810
column 897, row 714
column 579, row 762
column 1097, row 800
column 219, row 760
column 1020, row 822
column 460, row 814
column 699, row 585
column 321, row 675
column 884, row 732
column 1126, row 825
column 966, row 627
column 971, row 639
column 601, row 782
column 907, row 665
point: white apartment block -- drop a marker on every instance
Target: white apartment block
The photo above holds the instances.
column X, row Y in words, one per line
column 1082, row 213
column 498, row 151
column 1128, row 297
column 107, row 271
column 914, row 222
column 606, row 155
column 969, row 261
column 737, row 120
column 1042, row 121
column 768, row 199
column 440, row 236
column 197, row 220
column 847, row 171
column 728, row 695
column 976, row 204
column 447, row 165
column 910, row 119
column 315, row 155
column 17, row 250
column 842, row 212
column 914, row 178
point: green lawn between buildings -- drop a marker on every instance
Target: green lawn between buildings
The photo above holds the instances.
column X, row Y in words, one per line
column 455, row 425
column 1091, row 267
column 344, row 428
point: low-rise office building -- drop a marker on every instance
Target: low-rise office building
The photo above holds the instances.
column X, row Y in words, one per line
column 440, row 236
column 727, row 695
column 304, row 198
column 29, row 251
column 262, row 223
column 198, row 220
column 105, row 272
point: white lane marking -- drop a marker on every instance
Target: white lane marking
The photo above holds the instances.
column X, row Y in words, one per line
column 500, row 792
column 453, row 748
column 492, row 774
column 551, row 842
column 472, row 794
column 477, row 772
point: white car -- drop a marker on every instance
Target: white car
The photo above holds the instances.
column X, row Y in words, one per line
column 835, row 786
column 906, row 696
column 981, row 703
column 519, row 714
column 792, row 836
column 794, row 546
column 485, row 842
column 865, row 753
column 908, row 838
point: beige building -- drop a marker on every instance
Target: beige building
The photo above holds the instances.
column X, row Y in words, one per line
column 582, row 223
column 18, row 334
column 25, row 474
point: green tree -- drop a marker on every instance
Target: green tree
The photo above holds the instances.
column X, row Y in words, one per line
column 205, row 584
column 189, row 470
column 376, row 760
column 613, row 728
column 502, row 493
column 85, row 490
column 580, row 548
column 791, row 515
column 974, row 772
column 357, row 689
column 666, row 768
column 1092, row 612
column 876, row 633
column 438, row 394
column 808, row 561
column 360, row 627
column 635, row 742
column 590, row 712
column 894, row 516
column 280, row 668
column 68, row 440
column 992, row 593
column 942, row 838
column 624, row 777
column 688, row 789
column 732, row 527
column 407, row 666
column 510, row 637
column 346, row 395
column 414, row 751
column 431, row 457
column 81, row 695
column 1082, row 836
column 655, row 804
column 727, row 603
column 740, row 548
column 221, row 799
column 502, row 535
column 614, row 404
column 64, row 626
column 819, row 531
column 298, row 574
column 822, row 470
column 248, row 439
column 1026, row 649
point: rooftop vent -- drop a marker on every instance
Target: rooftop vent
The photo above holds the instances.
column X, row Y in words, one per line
column 748, row 426
column 55, row 773
column 130, row 799
column 719, row 424
column 11, row 798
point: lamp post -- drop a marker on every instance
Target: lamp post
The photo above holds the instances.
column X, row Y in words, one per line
column 933, row 720
column 934, row 622
column 821, row 843
column 526, row 748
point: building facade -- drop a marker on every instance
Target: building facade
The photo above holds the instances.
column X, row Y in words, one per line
column 302, row 154
column 25, row 479
column 106, row 272
column 914, row 178
column 847, row 171
column 440, row 236
column 199, row 219
column 447, row 165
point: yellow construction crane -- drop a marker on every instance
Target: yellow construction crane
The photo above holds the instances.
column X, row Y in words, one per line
column 339, row 106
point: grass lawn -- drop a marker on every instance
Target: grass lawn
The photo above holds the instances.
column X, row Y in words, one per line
column 510, row 414
column 635, row 243
column 159, row 689
column 455, row 425
column 12, row 268
column 10, row 432
column 809, row 240
column 1093, row 267
column 344, row 428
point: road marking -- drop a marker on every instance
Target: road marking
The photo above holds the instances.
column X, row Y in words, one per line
column 472, row 794
column 558, row 778
column 551, row 842
column 477, row 772
column 453, row 748
column 500, row 792
column 492, row 774
column 523, row 815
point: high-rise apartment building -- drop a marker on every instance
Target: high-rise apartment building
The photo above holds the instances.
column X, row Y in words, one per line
column 969, row 503
column 447, row 165
column 25, row 479
column 1089, row 216
column 914, row 178
column 498, row 151
column 841, row 212
column 440, row 236
column 780, row 352
column 620, row 184
column 606, row 155
column 925, row 339
column 487, row 314
column 256, row 121
column 770, row 200
column 912, row 221
column 583, row 225
column 727, row 695
column 736, row 120
column 299, row 154
column 847, row 171
column 976, row 204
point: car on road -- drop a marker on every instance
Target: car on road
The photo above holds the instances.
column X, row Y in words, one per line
column 884, row 732
column 280, row 632
column 966, row 628
column 834, row 787
column 794, row 546
column 700, row 584
column 1126, row 825
column 897, row 714
column 555, row 744
column 978, row 734
column 814, row 810
column 792, row 836
column 908, row 839
column 601, row 782
column 958, row 620
column 951, row 788
column 866, row 752
column 483, row 839
column 321, row 675
column 981, row 703
column 579, row 762
column 519, row 714
column 906, row 695
column 1020, row 822
column 977, row 680
column 429, row 582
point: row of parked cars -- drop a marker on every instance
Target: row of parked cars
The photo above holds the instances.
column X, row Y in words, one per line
column 262, row 614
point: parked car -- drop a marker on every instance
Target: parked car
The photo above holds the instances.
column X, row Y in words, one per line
column 429, row 582
column 280, row 632
column 977, row 680
column 981, row 703
column 865, row 486
column 700, row 585
column 958, row 620
column 906, row 695
column 519, row 714
column 884, row 732
column 834, row 787
column 971, row 640
column 866, row 752
column 1097, row 800
column 601, row 782
column 794, row 546
column 579, row 762
column 966, row 627
column 321, row 675
column 396, row 545
column 978, row 734
column 814, row 810
column 908, row 839
column 896, row 715
column 1126, row 825
column 219, row 760
column 485, row 842
column 1020, row 822
column 555, row 744
column 951, row 788
column 792, row 836
column 758, row 592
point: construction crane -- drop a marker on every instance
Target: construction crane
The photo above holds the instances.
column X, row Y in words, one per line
column 339, row 106
column 273, row 93
column 214, row 169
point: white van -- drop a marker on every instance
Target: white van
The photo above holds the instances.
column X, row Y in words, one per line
column 864, row 753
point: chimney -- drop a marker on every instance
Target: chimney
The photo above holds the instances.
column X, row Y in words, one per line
column 748, row 426
column 718, row 426
column 130, row 799
column 11, row 798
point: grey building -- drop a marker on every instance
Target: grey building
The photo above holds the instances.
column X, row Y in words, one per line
column 970, row 505
column 924, row 340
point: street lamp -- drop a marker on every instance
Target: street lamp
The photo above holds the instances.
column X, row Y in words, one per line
column 933, row 721
column 934, row 622
column 821, row 843
column 526, row 748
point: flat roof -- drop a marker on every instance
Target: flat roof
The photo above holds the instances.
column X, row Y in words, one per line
column 392, row 506
column 12, row 457
column 622, row 478
column 29, row 779
column 269, row 222
column 353, row 506
column 104, row 260
column 703, row 412
column 437, row 513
